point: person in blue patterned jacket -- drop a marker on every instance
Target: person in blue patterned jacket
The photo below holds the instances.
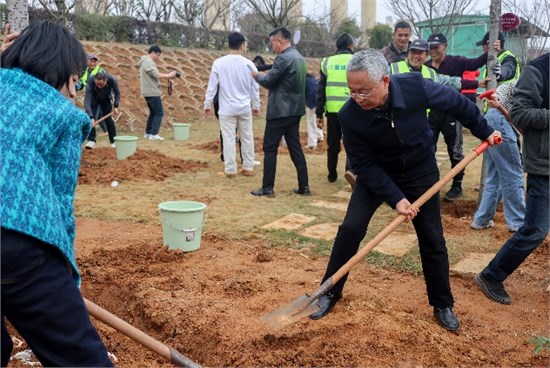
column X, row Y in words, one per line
column 42, row 132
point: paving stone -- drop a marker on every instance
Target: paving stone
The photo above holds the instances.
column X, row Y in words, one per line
column 343, row 194
column 473, row 263
column 397, row 244
column 326, row 231
column 291, row 221
column 332, row 205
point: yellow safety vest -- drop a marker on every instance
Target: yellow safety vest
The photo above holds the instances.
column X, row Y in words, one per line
column 500, row 58
column 402, row 66
column 336, row 90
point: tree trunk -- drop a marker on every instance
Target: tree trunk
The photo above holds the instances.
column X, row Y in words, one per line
column 494, row 14
column 18, row 14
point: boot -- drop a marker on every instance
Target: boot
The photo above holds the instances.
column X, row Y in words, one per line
column 455, row 192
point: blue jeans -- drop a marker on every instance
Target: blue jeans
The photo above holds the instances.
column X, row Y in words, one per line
column 504, row 177
column 43, row 303
column 529, row 236
column 156, row 113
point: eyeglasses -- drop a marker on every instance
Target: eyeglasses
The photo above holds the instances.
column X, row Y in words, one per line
column 363, row 96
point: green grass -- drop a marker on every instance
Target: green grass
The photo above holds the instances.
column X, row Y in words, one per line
column 235, row 214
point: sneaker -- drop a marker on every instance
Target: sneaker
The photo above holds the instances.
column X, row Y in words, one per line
column 146, row 136
column 257, row 163
column 454, row 193
column 155, row 137
column 494, row 290
column 351, row 178
column 113, row 145
column 90, row 145
column 489, row 225
column 231, row 176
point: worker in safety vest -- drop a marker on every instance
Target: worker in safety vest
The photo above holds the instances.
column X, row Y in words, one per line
column 332, row 93
column 507, row 67
column 418, row 53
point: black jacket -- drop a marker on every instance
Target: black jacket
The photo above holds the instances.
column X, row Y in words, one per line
column 388, row 147
column 286, row 82
column 94, row 94
column 530, row 113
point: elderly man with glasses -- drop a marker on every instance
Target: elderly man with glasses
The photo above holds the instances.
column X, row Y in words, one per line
column 389, row 143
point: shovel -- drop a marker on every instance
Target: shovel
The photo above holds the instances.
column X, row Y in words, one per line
column 305, row 305
column 139, row 336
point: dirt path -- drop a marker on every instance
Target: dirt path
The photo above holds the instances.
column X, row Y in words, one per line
column 206, row 304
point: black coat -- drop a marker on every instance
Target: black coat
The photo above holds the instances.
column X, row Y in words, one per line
column 388, row 147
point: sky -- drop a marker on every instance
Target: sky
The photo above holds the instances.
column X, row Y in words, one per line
column 382, row 11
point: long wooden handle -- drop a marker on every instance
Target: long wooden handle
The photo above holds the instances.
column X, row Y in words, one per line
column 401, row 218
column 103, row 118
column 139, row 336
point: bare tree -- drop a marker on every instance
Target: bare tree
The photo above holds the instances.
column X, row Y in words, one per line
column 532, row 33
column 440, row 14
column 275, row 12
column 58, row 9
column 123, row 7
column 189, row 11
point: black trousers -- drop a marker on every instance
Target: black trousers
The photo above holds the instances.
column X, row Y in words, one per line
column 106, row 108
column 429, row 230
column 334, row 136
column 43, row 303
column 452, row 133
column 275, row 129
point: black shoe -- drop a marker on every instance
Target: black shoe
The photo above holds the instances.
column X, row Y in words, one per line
column 302, row 190
column 351, row 178
column 493, row 289
column 454, row 193
column 446, row 318
column 326, row 303
column 263, row 192
column 332, row 179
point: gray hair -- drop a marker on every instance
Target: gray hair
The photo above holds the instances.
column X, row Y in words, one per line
column 371, row 61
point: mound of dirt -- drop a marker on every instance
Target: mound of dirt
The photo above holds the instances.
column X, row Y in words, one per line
column 100, row 166
column 206, row 304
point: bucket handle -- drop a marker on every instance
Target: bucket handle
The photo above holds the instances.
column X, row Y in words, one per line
column 187, row 230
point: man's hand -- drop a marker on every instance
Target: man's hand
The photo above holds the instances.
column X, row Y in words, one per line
column 172, row 74
column 208, row 111
column 495, row 138
column 256, row 112
column 115, row 111
column 405, row 208
column 93, row 123
column 8, row 37
column 493, row 102
column 496, row 45
column 320, row 123
column 483, row 83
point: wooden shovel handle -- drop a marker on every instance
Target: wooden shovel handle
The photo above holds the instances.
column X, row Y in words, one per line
column 139, row 336
column 103, row 118
column 327, row 285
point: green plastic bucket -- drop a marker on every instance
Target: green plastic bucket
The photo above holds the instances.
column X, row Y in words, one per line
column 181, row 131
column 125, row 146
column 182, row 224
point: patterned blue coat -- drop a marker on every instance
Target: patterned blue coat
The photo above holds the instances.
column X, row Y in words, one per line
column 41, row 132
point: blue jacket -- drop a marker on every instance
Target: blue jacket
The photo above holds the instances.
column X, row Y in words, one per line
column 311, row 91
column 42, row 132
column 396, row 145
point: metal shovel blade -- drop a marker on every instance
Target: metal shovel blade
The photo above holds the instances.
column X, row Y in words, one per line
column 299, row 308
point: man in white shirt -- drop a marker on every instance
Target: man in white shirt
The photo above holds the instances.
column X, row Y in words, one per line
column 237, row 91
